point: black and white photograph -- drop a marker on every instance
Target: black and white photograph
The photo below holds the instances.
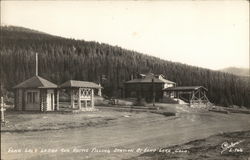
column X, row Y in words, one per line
column 125, row 80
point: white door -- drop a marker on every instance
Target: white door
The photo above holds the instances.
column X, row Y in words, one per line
column 50, row 100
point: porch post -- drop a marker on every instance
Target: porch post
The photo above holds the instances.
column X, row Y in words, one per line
column 178, row 97
column 192, row 98
column 79, row 99
column 199, row 96
column 72, row 98
column 57, row 99
column 100, row 91
column 92, row 98
column 189, row 96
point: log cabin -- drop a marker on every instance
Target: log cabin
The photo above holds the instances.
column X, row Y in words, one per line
column 36, row 94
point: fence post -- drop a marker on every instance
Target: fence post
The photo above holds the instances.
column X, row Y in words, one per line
column 2, row 110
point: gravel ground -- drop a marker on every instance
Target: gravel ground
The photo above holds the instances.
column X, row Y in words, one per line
column 114, row 135
column 211, row 148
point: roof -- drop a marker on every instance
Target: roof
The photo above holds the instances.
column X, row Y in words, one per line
column 184, row 88
column 167, row 81
column 36, row 82
column 74, row 83
column 147, row 78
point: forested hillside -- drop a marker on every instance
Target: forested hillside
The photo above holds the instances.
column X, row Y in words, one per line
column 61, row 59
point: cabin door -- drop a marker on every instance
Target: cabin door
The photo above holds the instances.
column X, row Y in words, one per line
column 50, row 100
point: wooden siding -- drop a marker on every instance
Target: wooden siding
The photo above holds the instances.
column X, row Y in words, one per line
column 50, row 100
column 41, row 100
column 144, row 90
column 18, row 99
column 32, row 106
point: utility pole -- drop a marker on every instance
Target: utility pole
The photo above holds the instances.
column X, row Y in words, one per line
column 1, row 89
column 153, row 91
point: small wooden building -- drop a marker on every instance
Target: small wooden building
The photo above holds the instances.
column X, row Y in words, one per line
column 147, row 85
column 36, row 94
column 81, row 93
column 192, row 94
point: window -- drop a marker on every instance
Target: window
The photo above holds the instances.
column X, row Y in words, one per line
column 32, row 97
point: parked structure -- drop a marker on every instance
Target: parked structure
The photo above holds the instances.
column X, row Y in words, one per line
column 81, row 92
column 36, row 94
column 147, row 86
column 192, row 94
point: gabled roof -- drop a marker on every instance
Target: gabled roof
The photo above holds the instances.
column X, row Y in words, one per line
column 184, row 88
column 84, row 84
column 167, row 81
column 147, row 78
column 36, row 82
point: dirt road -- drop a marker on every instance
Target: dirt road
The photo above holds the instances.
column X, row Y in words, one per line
column 132, row 131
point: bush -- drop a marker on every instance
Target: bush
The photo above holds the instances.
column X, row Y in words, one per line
column 168, row 114
column 140, row 102
column 100, row 101
column 169, row 100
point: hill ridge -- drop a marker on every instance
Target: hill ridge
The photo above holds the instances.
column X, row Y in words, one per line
column 239, row 71
column 61, row 59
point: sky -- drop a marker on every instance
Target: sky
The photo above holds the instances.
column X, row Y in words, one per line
column 209, row 34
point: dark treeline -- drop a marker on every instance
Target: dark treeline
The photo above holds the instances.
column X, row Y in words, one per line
column 61, row 59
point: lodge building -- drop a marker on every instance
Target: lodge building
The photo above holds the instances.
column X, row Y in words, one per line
column 157, row 88
column 147, row 85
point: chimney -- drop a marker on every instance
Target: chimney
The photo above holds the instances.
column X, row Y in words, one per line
column 36, row 64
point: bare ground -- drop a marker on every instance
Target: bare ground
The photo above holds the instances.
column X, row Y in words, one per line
column 209, row 149
column 37, row 121
column 125, row 131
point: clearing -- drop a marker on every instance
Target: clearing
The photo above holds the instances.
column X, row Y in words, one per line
column 109, row 134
